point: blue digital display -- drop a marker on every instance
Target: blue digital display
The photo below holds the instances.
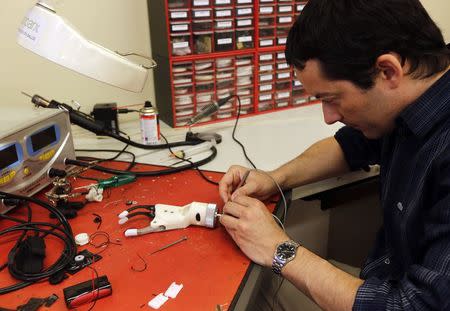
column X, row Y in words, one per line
column 10, row 155
column 48, row 136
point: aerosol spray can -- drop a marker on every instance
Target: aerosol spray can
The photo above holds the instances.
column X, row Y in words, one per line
column 150, row 131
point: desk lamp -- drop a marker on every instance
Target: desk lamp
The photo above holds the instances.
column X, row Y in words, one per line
column 47, row 34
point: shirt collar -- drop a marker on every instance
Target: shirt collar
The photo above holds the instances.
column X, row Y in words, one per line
column 429, row 109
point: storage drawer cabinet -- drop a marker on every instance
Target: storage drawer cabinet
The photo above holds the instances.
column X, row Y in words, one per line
column 207, row 50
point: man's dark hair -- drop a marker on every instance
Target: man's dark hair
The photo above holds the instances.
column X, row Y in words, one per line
column 347, row 37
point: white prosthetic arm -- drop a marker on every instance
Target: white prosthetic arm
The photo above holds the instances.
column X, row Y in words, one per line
column 170, row 217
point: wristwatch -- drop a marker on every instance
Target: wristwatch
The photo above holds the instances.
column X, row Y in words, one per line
column 284, row 253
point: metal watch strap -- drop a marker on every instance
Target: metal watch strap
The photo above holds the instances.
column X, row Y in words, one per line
column 277, row 266
column 277, row 263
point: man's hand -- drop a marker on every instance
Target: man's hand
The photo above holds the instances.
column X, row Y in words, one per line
column 253, row 228
column 257, row 185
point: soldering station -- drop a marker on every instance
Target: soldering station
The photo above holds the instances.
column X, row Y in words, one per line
column 40, row 167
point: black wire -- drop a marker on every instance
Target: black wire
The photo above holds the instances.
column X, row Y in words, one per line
column 234, row 132
column 87, row 158
column 192, row 164
column 145, row 173
column 64, row 232
column 119, row 153
column 20, row 239
column 87, row 122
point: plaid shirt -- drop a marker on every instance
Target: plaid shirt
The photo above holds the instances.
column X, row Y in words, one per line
column 409, row 266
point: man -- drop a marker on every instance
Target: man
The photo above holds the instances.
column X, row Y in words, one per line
column 381, row 68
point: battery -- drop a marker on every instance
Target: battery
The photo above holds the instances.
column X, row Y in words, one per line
column 150, row 131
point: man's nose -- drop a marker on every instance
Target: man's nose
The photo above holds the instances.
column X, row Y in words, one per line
column 330, row 114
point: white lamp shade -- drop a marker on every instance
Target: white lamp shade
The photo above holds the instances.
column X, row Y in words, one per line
column 45, row 33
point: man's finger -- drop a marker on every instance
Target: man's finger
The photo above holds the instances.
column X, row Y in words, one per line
column 229, row 222
column 228, row 183
column 233, row 209
column 245, row 190
column 244, row 200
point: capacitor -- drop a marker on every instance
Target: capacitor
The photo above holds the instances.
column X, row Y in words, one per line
column 150, row 131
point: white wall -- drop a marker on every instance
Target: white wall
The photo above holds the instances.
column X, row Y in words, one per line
column 439, row 10
column 116, row 24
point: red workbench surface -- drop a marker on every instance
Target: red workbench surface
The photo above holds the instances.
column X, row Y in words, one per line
column 209, row 264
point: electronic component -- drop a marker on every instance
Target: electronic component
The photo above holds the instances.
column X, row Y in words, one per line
column 81, row 260
column 105, row 115
column 32, row 143
column 84, row 292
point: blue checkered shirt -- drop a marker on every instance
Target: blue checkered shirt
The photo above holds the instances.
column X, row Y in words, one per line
column 409, row 266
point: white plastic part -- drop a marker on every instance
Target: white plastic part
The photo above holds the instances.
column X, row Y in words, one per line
column 123, row 220
column 158, row 301
column 173, row 290
column 179, row 217
column 123, row 214
column 79, row 258
column 45, row 33
column 82, row 239
column 207, row 145
column 131, row 232
column 95, row 194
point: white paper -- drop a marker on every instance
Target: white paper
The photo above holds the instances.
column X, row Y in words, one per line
column 266, row 78
column 266, row 10
column 245, row 39
column 244, row 11
column 265, row 87
column 178, row 15
column 183, row 27
column 265, row 97
column 283, row 95
column 223, row 13
column 202, row 13
column 226, row 24
column 173, row 290
column 244, row 22
column 286, row 8
column 201, row 2
column 265, row 68
column 284, row 75
column 266, row 57
column 282, row 41
column 266, row 42
column 179, row 45
column 285, row 19
column 158, row 301
column 224, row 41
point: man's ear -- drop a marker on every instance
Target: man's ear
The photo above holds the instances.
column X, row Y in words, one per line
column 390, row 69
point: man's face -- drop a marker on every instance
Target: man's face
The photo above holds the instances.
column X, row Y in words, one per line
column 342, row 101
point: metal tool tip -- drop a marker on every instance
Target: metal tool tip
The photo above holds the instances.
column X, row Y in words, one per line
column 26, row 94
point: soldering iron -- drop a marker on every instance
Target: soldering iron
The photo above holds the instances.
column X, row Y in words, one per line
column 85, row 121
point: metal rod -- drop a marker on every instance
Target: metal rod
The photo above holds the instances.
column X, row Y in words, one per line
column 169, row 245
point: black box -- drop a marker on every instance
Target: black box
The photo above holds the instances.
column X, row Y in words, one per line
column 106, row 115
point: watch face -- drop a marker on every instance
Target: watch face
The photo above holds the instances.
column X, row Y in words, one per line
column 286, row 251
